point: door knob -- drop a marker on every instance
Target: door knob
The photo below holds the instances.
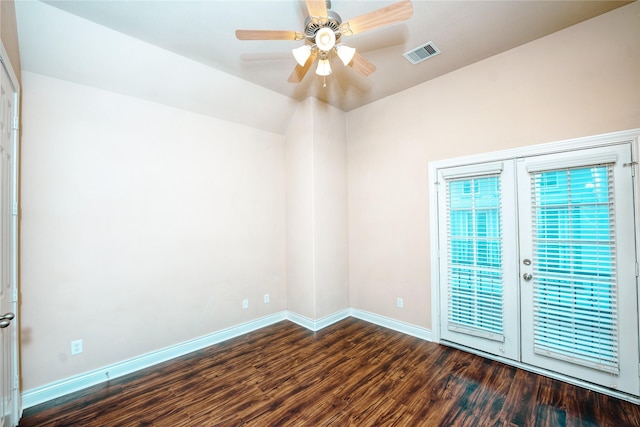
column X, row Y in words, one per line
column 527, row 276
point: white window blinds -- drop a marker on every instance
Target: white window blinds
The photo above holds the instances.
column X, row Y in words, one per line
column 575, row 293
column 475, row 273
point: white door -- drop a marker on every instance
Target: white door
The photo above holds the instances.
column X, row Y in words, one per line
column 477, row 268
column 578, row 265
column 8, row 249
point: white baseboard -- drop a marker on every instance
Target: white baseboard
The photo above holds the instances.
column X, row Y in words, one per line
column 60, row 388
column 69, row 385
column 316, row 325
column 396, row 325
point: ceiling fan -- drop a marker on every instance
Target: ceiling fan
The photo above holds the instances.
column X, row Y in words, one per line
column 323, row 29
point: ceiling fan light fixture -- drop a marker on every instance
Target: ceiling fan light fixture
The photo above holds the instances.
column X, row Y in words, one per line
column 324, row 68
column 302, row 54
column 325, row 39
column 345, row 53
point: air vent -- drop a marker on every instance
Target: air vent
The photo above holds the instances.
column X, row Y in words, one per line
column 421, row 53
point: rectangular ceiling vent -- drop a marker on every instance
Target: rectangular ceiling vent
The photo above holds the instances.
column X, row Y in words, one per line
column 421, row 53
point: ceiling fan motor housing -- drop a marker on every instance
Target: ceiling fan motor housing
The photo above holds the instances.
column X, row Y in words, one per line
column 312, row 26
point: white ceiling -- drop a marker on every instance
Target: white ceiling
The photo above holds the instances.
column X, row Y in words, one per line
column 204, row 31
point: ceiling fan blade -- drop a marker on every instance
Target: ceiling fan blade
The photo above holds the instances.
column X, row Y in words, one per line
column 317, row 8
column 361, row 65
column 301, row 70
column 391, row 14
column 268, row 35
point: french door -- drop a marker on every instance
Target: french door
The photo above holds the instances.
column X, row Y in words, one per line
column 578, row 266
column 538, row 263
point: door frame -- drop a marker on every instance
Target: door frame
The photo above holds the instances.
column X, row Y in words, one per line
column 632, row 136
column 15, row 219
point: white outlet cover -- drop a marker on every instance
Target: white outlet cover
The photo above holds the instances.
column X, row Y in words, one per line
column 245, row 303
column 76, row 347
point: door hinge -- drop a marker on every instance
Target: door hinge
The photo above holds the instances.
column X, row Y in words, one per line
column 632, row 166
column 16, row 123
column 15, row 293
column 14, row 209
column 637, row 270
column 16, row 382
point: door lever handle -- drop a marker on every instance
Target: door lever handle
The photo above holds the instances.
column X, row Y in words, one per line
column 5, row 320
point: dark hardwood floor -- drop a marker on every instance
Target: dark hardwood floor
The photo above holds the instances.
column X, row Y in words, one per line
column 349, row 374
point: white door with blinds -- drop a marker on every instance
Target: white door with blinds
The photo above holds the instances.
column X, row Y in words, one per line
column 578, row 265
column 537, row 262
column 476, row 257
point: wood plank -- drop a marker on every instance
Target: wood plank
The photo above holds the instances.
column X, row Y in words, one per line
column 351, row 373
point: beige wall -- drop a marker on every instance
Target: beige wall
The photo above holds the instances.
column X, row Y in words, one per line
column 317, row 271
column 330, row 209
column 9, row 33
column 299, row 213
column 143, row 226
column 582, row 81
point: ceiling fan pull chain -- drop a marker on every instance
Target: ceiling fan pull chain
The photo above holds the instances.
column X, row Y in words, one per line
column 324, row 78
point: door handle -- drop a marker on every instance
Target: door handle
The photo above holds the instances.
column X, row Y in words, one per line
column 527, row 276
column 5, row 319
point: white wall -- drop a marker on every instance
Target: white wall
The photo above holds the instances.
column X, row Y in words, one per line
column 142, row 226
column 581, row 81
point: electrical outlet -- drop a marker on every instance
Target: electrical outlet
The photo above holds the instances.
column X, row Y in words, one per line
column 266, row 298
column 76, row 347
column 400, row 303
column 245, row 303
